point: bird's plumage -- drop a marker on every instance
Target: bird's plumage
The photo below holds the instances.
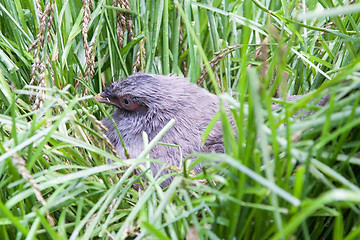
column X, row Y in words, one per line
column 158, row 99
column 147, row 102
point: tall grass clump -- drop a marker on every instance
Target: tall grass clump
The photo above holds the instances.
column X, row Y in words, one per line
column 289, row 173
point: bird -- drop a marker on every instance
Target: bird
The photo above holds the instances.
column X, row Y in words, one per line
column 146, row 103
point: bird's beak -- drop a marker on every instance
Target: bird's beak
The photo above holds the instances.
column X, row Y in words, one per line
column 102, row 99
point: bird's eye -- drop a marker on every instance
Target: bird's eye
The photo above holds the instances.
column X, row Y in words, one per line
column 128, row 103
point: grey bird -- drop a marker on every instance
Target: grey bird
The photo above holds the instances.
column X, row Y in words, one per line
column 147, row 102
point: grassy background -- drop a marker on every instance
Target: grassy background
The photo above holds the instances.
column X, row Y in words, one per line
column 281, row 178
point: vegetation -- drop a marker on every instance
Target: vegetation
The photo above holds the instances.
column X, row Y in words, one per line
column 281, row 177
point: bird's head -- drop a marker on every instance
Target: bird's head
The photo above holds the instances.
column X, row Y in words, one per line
column 146, row 102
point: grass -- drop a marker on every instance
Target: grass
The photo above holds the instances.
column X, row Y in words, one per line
column 281, row 177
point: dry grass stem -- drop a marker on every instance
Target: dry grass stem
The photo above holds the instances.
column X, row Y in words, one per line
column 181, row 39
column 100, row 128
column 89, row 49
column 123, row 22
column 139, row 63
column 220, row 55
column 19, row 163
column 39, row 66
